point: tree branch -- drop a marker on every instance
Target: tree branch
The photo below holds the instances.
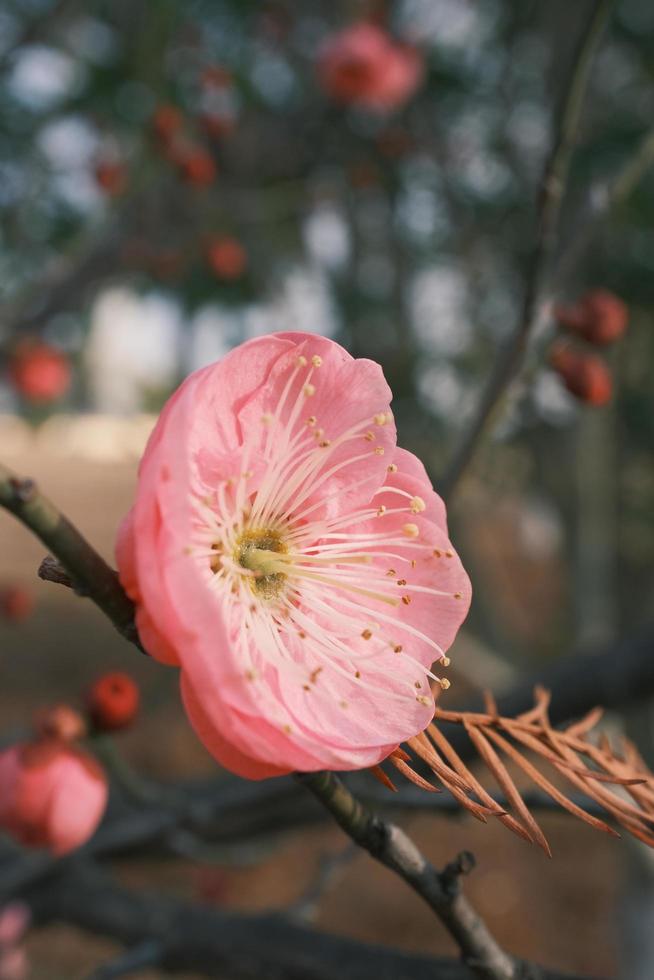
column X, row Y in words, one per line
column 552, row 188
column 388, row 844
column 216, row 942
column 88, row 570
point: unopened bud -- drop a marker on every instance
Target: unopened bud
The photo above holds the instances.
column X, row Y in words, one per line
column 599, row 317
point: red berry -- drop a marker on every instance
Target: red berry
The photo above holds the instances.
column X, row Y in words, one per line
column 113, row 701
column 227, row 258
column 39, row 372
column 16, row 603
column 585, row 375
column 600, row 317
column 111, row 177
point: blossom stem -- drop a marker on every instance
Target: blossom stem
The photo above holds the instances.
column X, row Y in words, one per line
column 89, row 572
column 510, row 358
column 389, row 845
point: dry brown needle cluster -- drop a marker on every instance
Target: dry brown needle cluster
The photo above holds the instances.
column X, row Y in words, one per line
column 590, row 766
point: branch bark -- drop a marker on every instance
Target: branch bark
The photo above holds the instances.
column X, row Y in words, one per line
column 389, row 845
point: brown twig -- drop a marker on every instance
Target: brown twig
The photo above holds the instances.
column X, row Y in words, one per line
column 389, row 845
column 551, row 192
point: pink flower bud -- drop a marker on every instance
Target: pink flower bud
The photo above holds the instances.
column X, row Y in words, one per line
column 52, row 794
column 364, row 66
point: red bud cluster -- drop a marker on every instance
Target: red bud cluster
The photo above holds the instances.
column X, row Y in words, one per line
column 598, row 318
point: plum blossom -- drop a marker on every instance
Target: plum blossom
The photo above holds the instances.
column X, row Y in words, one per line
column 362, row 65
column 292, row 561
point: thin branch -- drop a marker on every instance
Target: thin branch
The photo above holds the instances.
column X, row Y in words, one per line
column 551, row 193
column 147, row 953
column 87, row 569
column 388, row 844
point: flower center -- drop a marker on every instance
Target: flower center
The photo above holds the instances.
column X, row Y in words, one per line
column 259, row 552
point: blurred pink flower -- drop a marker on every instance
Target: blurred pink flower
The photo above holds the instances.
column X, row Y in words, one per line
column 52, row 794
column 14, row 922
column 363, row 65
column 292, row 560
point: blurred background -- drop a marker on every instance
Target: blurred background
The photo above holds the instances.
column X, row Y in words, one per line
column 176, row 178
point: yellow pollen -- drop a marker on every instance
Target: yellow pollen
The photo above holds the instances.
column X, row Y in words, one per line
column 302, row 635
column 382, row 418
column 369, row 436
column 406, row 599
column 444, row 683
column 445, row 661
column 457, row 595
column 309, row 390
column 379, row 451
column 366, row 634
column 343, row 704
column 401, row 581
column 312, row 420
column 411, row 530
column 319, row 433
column 267, row 418
column 357, row 674
column 287, row 729
column 305, row 687
column 301, row 361
column 316, row 360
column 413, row 563
column 392, row 468
column 421, row 699
column 381, row 510
column 391, row 573
column 314, row 674
column 324, row 443
column 436, row 553
column 397, row 648
column 417, row 505
column 449, row 554
column 418, row 685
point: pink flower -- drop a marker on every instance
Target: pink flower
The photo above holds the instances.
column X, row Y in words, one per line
column 364, row 66
column 52, row 794
column 292, row 560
